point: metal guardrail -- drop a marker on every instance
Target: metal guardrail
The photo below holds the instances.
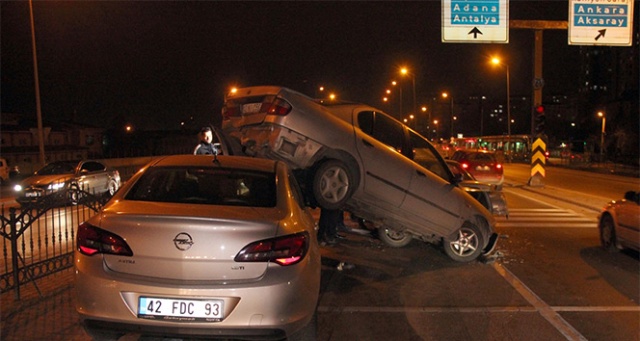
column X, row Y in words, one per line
column 39, row 239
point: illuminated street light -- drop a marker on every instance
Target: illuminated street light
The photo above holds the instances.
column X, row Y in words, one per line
column 604, row 122
column 435, row 129
column 394, row 83
column 405, row 71
column 428, row 125
column 497, row 61
column 451, row 117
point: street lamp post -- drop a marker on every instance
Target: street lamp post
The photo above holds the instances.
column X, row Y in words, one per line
column 604, row 122
column 37, row 87
column 394, row 83
column 451, row 117
column 426, row 128
column 497, row 61
column 405, row 71
column 435, row 123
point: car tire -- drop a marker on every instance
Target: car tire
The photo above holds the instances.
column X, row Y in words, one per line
column 332, row 184
column 102, row 335
column 465, row 245
column 394, row 238
column 608, row 234
column 74, row 194
column 308, row 332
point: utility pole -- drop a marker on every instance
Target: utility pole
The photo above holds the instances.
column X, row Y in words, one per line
column 538, row 146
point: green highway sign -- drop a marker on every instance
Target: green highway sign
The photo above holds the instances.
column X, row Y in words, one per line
column 601, row 22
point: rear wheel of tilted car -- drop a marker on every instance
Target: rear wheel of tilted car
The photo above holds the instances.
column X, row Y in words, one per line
column 464, row 245
column 332, row 184
column 394, row 238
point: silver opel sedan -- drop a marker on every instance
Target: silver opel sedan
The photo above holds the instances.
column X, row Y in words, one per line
column 201, row 246
column 355, row 157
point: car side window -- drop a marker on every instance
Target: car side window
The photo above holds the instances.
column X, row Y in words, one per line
column 382, row 128
column 425, row 155
column 365, row 122
column 92, row 166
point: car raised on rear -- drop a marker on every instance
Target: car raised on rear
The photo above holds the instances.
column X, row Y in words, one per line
column 352, row 156
column 201, row 246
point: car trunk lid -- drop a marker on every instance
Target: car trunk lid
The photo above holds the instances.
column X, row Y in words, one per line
column 192, row 245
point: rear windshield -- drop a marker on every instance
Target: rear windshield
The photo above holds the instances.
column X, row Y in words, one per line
column 209, row 186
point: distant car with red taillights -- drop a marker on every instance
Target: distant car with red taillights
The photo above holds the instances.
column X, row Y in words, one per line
column 482, row 164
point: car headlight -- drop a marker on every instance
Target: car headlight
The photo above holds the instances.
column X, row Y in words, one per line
column 17, row 188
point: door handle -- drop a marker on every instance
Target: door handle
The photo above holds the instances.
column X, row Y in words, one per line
column 420, row 173
column 367, row 143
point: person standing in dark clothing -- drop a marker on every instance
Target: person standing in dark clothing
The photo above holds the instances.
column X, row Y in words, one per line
column 328, row 225
column 205, row 146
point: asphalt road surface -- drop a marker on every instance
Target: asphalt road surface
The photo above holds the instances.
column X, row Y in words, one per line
column 548, row 280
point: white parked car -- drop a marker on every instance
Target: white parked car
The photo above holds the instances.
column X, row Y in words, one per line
column 619, row 223
column 201, row 246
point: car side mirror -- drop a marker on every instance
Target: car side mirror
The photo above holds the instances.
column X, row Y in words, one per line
column 458, row 177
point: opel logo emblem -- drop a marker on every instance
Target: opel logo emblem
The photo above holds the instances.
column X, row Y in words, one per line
column 183, row 241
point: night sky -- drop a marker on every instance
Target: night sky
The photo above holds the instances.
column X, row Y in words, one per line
column 160, row 63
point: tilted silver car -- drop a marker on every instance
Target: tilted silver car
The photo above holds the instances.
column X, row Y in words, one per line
column 70, row 178
column 355, row 157
column 202, row 246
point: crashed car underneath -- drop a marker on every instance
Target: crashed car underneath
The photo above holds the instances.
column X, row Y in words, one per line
column 355, row 157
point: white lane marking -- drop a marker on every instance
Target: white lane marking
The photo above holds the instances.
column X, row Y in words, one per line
column 546, row 218
column 542, row 307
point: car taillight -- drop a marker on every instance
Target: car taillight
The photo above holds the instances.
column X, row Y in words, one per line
column 279, row 107
column 92, row 240
column 287, row 250
column 498, row 166
column 464, row 165
column 229, row 111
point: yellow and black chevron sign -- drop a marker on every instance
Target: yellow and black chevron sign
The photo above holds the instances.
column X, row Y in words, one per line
column 538, row 159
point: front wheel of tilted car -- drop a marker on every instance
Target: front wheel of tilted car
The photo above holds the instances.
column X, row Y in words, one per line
column 464, row 245
column 394, row 238
column 332, row 184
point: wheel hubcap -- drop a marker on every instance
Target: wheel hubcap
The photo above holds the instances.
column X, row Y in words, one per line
column 466, row 243
column 335, row 184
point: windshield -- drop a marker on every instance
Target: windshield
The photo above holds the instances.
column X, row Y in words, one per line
column 425, row 155
column 58, row 168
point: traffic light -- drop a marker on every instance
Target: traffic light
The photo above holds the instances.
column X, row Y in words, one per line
column 540, row 119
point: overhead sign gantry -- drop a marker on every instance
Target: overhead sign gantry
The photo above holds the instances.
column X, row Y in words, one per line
column 475, row 21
